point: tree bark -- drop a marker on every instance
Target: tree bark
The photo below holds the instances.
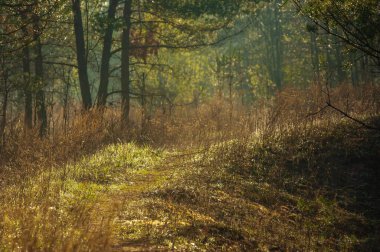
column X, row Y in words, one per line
column 81, row 55
column 273, row 33
column 315, row 56
column 40, row 95
column 125, row 55
column 330, row 74
column 341, row 76
column 3, row 115
column 28, row 110
column 354, row 69
column 278, row 33
column 28, row 106
column 106, row 54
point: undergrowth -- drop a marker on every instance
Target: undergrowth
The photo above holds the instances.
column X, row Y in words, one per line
column 308, row 191
column 271, row 177
column 61, row 208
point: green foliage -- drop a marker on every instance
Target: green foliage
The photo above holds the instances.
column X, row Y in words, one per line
column 356, row 22
column 194, row 9
column 290, row 187
column 112, row 163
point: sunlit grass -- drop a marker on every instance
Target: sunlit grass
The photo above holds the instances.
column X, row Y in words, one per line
column 272, row 180
column 253, row 194
column 58, row 209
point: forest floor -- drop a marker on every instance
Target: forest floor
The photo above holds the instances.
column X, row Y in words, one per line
column 305, row 191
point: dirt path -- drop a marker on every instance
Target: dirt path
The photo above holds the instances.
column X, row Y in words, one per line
column 128, row 207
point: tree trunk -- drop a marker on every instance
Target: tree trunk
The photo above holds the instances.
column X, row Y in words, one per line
column 81, row 55
column 66, row 103
column 230, row 83
column 273, row 33
column 3, row 115
column 40, row 95
column 277, row 40
column 125, row 53
column 28, row 110
column 354, row 69
column 330, row 75
column 341, row 76
column 315, row 56
column 143, row 106
column 106, row 55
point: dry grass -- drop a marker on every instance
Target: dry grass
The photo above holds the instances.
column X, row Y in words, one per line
column 269, row 176
column 203, row 125
column 289, row 193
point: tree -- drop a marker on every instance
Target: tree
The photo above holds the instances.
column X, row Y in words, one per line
column 81, row 55
column 125, row 54
column 28, row 109
column 356, row 23
column 106, row 53
column 178, row 29
column 272, row 30
column 40, row 95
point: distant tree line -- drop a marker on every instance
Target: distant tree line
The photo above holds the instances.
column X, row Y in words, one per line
column 57, row 52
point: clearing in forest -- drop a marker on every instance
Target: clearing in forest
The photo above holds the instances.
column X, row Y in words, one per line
column 285, row 193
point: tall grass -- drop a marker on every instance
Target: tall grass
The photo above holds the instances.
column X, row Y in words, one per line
column 51, row 195
column 185, row 127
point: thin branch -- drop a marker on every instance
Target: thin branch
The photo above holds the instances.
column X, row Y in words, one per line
column 328, row 104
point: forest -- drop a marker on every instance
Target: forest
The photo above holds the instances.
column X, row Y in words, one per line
column 189, row 125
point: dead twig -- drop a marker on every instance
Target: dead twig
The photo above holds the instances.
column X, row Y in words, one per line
column 365, row 125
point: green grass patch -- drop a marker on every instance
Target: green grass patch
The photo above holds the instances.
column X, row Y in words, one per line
column 70, row 207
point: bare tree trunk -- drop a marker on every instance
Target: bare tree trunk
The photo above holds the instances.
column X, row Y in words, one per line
column 330, row 74
column 354, row 69
column 40, row 96
column 341, row 76
column 106, row 54
column 315, row 56
column 3, row 115
column 143, row 106
column 125, row 54
column 273, row 33
column 28, row 110
column 81, row 55
column 66, row 103
column 277, row 39
column 230, row 83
